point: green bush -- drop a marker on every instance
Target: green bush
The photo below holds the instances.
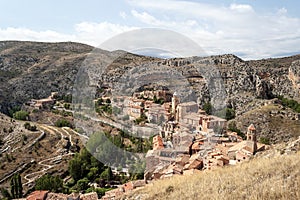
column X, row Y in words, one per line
column 230, row 113
column 232, row 127
column 63, row 123
column 82, row 184
column 21, row 115
column 28, row 126
column 264, row 140
column 67, row 106
column 291, row 103
column 48, row 182
column 207, row 107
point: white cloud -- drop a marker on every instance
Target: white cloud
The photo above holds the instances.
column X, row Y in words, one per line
column 282, row 11
column 96, row 33
column 241, row 8
column 12, row 33
column 85, row 32
column 237, row 28
column 123, row 14
column 146, row 18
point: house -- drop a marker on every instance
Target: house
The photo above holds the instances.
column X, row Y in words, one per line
column 113, row 194
column 134, row 107
column 38, row 195
column 245, row 149
column 211, row 122
column 45, row 103
column 89, row 196
column 157, row 143
column 152, row 94
column 158, row 114
column 184, row 109
column 133, row 184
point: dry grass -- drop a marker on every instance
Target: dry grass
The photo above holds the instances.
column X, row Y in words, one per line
column 277, row 178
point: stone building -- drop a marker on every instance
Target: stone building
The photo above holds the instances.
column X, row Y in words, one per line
column 245, row 149
column 175, row 102
column 157, row 143
column 184, row 109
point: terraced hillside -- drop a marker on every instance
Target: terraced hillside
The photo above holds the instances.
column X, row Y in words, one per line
column 32, row 154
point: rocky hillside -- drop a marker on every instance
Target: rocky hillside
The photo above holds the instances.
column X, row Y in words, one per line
column 33, row 70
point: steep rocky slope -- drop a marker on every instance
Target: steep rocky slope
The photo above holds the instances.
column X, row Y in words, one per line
column 32, row 70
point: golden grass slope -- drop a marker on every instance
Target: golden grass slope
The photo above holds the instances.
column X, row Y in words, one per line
column 264, row 178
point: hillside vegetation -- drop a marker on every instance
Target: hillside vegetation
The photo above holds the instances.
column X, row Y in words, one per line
column 265, row 178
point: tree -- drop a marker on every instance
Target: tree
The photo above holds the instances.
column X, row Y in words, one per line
column 5, row 193
column 107, row 174
column 232, row 127
column 75, row 168
column 63, row 123
column 21, row 115
column 48, row 182
column 67, row 106
column 230, row 113
column 82, row 184
column 208, row 108
column 28, row 126
column 16, row 187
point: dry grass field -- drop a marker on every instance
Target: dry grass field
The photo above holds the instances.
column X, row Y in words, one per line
column 262, row 178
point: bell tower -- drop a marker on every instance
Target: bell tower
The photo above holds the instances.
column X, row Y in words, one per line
column 175, row 102
column 251, row 136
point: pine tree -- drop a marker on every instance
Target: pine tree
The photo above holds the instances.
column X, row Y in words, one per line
column 16, row 186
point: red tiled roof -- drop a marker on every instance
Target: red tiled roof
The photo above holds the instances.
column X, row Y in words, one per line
column 38, row 195
column 251, row 128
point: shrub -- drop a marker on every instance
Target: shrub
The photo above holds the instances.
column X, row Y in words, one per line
column 67, row 106
column 21, row 115
column 232, row 127
column 230, row 113
column 48, row 182
column 63, row 123
column 291, row 103
column 264, row 140
column 28, row 126
column 208, row 108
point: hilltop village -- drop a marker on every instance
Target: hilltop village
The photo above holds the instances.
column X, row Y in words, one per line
column 188, row 139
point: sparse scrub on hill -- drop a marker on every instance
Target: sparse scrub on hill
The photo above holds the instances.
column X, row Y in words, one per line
column 232, row 127
column 264, row 178
column 208, row 108
column 63, row 123
column 291, row 103
column 21, row 115
column 62, row 113
column 30, row 127
column 264, row 140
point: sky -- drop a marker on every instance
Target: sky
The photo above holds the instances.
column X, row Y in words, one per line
column 250, row 29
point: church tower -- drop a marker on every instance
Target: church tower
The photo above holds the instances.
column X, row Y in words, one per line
column 251, row 136
column 175, row 102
